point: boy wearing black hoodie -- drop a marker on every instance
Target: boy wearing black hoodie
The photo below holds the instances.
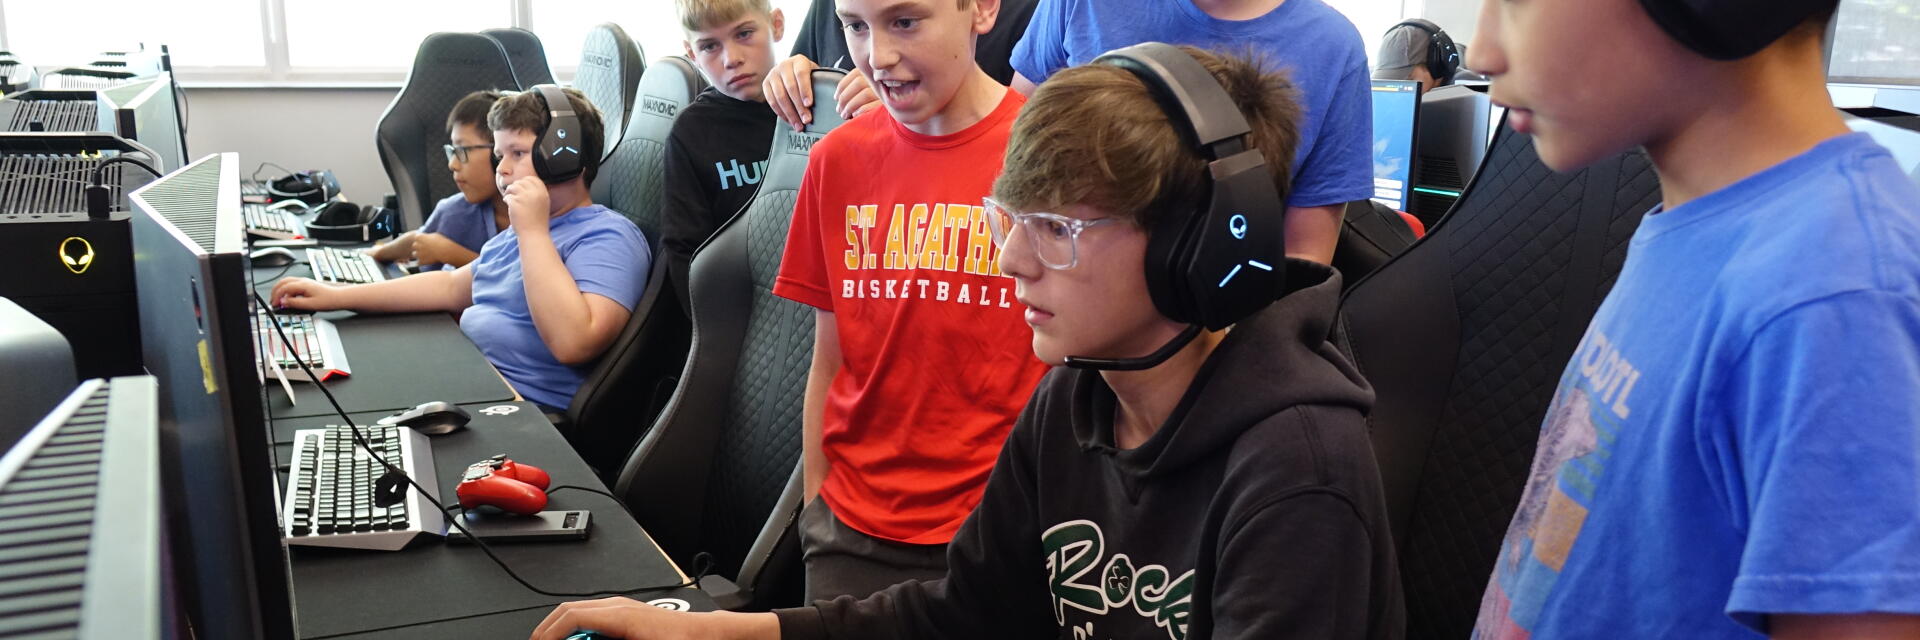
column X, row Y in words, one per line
column 1227, row 490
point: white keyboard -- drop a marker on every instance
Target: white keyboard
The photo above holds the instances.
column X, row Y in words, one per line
column 330, row 490
column 274, row 221
column 314, row 340
column 346, row 266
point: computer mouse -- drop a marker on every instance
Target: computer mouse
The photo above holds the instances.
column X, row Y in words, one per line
column 432, row 418
column 272, row 257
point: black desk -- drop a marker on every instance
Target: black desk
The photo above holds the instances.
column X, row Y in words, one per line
column 437, row 590
column 398, row 361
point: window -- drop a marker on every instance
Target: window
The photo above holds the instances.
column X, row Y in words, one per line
column 361, row 41
column 377, row 34
column 654, row 24
column 206, row 33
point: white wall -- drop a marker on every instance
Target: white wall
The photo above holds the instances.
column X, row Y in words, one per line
column 1456, row 16
column 305, row 128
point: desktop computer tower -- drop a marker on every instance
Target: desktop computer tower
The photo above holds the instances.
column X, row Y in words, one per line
column 1451, row 142
column 72, row 271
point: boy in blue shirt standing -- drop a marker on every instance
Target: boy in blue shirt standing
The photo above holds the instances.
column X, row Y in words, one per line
column 1735, row 448
column 1318, row 48
column 546, row 296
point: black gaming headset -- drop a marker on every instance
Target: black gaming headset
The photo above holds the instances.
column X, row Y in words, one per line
column 1723, row 30
column 1226, row 260
column 556, row 154
column 1443, row 58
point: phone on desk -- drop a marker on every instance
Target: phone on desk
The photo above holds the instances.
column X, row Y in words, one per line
column 545, row 526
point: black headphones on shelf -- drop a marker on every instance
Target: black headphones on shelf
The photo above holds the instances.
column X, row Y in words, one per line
column 1443, row 57
column 343, row 221
column 1226, row 260
column 312, row 187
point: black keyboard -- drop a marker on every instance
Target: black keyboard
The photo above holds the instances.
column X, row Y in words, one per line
column 330, row 489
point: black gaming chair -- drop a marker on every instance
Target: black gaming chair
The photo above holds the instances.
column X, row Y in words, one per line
column 1464, row 337
column 609, row 72
column 528, row 57
column 447, row 67
column 628, row 386
column 719, row 472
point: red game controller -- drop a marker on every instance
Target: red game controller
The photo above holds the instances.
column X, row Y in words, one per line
column 504, row 484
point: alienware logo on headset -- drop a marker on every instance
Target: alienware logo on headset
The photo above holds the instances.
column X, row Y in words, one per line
column 555, row 159
column 76, row 254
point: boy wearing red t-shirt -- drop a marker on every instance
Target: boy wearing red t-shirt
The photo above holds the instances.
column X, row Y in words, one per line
column 921, row 359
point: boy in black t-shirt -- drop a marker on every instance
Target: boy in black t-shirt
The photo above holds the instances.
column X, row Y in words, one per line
column 717, row 151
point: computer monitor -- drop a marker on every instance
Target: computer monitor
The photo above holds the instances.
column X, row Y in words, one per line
column 80, row 520
column 145, row 111
column 1904, row 142
column 1449, row 146
column 1396, row 110
column 220, row 485
column 1875, row 42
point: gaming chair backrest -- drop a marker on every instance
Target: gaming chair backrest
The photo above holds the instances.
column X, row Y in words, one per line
column 609, row 73
column 525, row 53
column 624, row 393
column 716, row 472
column 1464, row 336
column 637, row 162
column 412, row 130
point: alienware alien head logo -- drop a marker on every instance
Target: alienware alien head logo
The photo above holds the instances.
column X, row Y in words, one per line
column 561, row 132
column 671, row 604
column 1237, row 225
column 500, row 410
column 76, row 253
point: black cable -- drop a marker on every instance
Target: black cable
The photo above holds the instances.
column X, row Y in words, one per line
column 99, row 170
column 276, row 276
column 360, row 439
column 255, row 176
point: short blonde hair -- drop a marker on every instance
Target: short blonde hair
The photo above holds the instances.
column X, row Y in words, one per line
column 696, row 15
column 1095, row 135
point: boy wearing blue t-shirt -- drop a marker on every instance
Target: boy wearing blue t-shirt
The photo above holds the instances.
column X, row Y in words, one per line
column 1317, row 47
column 1735, row 448
column 461, row 222
column 545, row 297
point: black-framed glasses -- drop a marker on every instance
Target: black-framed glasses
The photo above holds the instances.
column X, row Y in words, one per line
column 1055, row 238
column 458, row 153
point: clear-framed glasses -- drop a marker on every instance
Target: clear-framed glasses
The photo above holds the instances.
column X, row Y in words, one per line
column 458, row 153
column 1055, row 238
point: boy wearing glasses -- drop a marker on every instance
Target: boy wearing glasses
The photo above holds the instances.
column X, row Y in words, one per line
column 1228, row 492
column 461, row 223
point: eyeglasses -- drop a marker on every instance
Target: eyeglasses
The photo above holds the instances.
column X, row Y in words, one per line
column 458, row 153
column 1055, row 238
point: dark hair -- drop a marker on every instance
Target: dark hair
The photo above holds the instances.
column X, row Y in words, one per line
column 1096, row 135
column 472, row 110
column 524, row 111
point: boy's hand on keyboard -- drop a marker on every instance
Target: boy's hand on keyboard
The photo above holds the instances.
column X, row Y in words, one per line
column 304, row 294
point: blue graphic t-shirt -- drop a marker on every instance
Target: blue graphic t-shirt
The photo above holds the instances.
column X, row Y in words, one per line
column 605, row 253
column 467, row 224
column 1738, row 433
column 1316, row 45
